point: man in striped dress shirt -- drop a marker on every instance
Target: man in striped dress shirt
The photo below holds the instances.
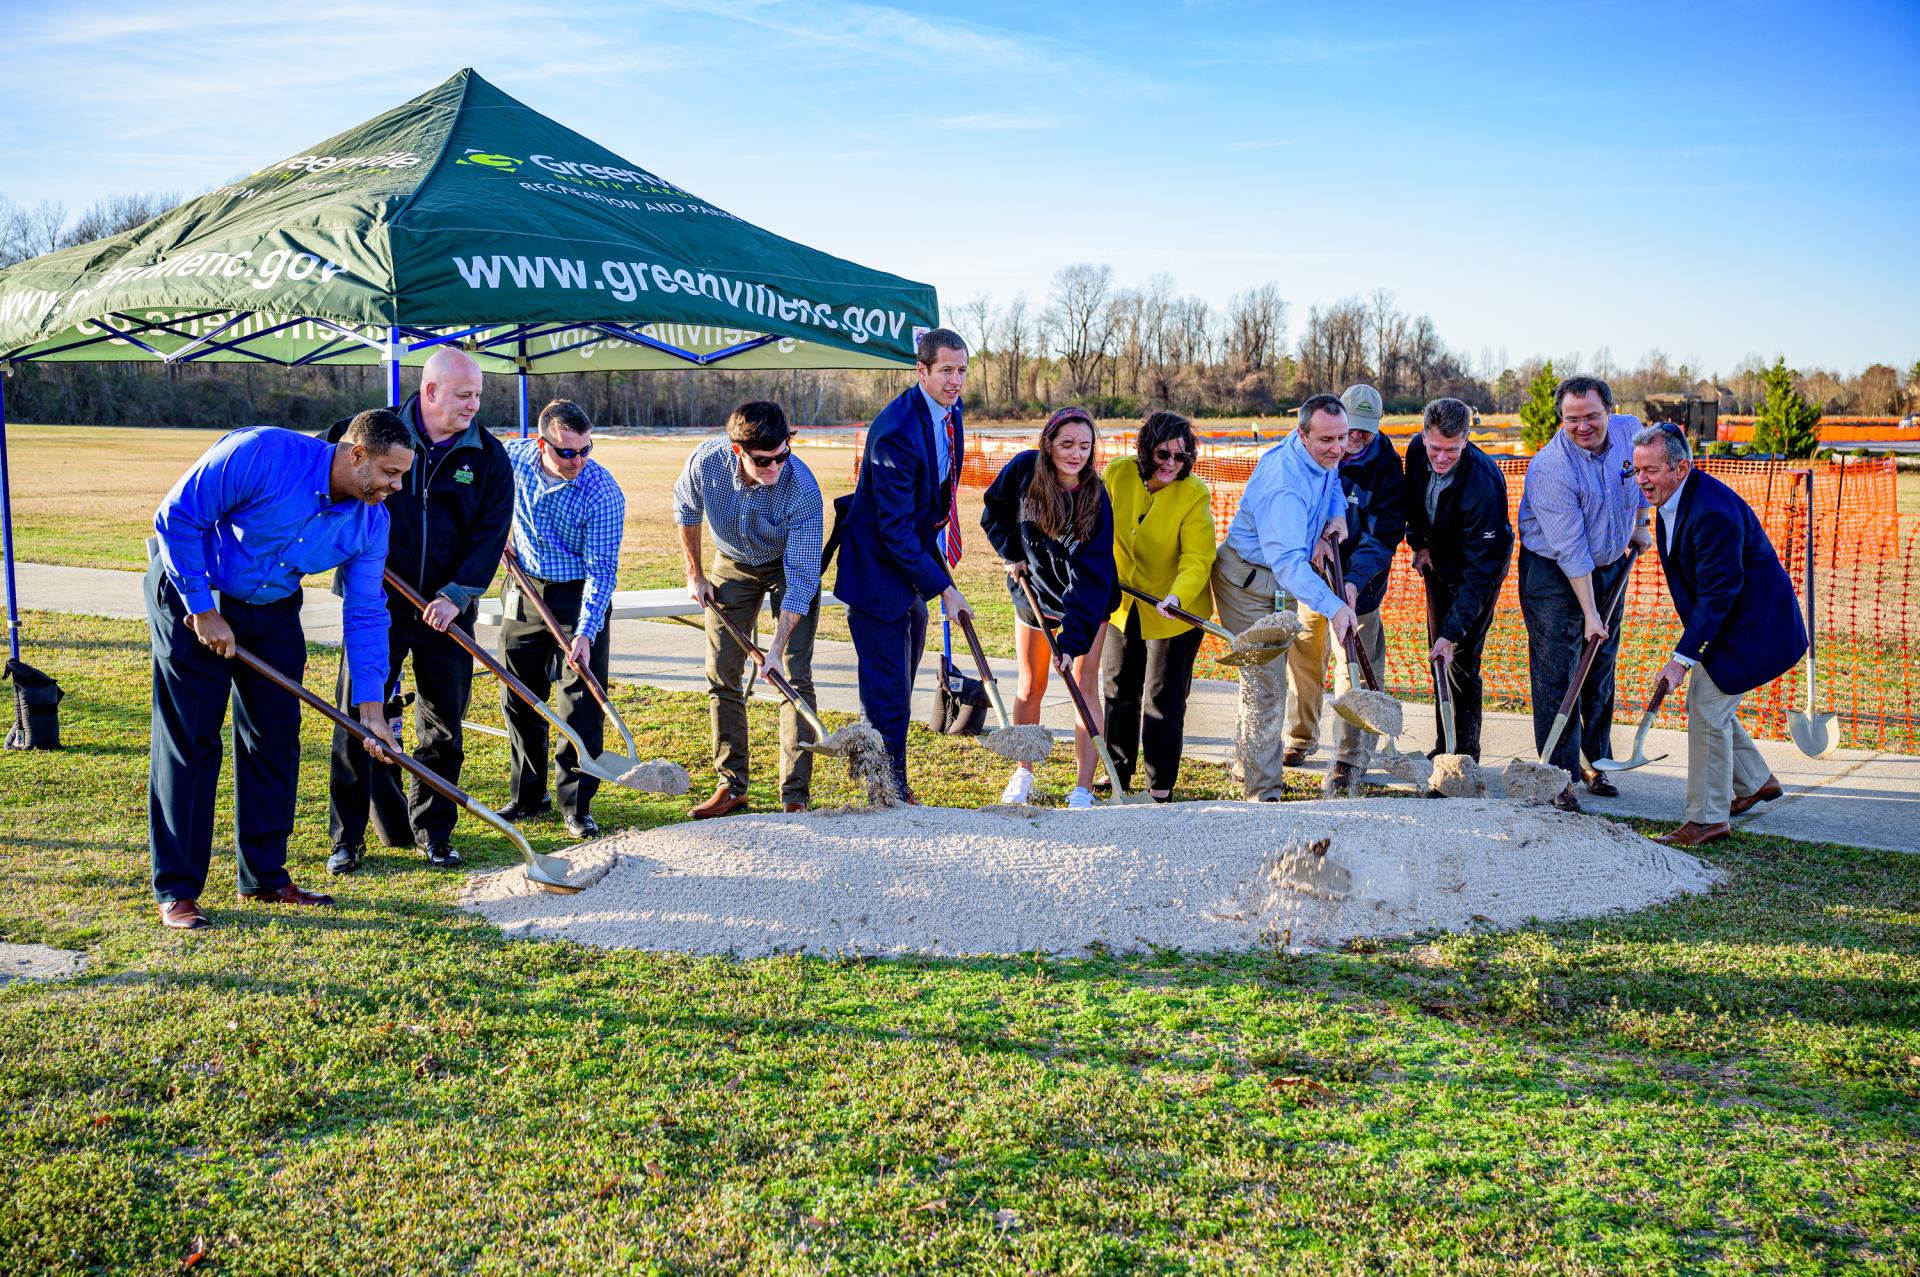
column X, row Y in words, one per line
column 764, row 508
column 1580, row 511
column 568, row 516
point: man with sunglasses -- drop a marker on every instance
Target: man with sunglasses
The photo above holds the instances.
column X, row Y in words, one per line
column 764, row 508
column 449, row 524
column 1580, row 514
column 1371, row 480
column 568, row 517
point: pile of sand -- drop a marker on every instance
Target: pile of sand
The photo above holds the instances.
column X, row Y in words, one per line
column 1201, row 876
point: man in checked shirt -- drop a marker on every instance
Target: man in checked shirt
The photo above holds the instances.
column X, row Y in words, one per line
column 568, row 515
column 1580, row 511
column 764, row 508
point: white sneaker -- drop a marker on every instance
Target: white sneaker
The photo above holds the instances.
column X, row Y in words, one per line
column 1081, row 799
column 1019, row 786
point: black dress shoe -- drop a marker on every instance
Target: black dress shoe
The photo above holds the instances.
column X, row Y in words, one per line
column 441, row 855
column 1566, row 801
column 514, row 813
column 345, row 859
column 583, row 826
column 1601, row 785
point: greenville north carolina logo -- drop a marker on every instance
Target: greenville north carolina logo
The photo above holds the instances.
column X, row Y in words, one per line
column 487, row 159
column 463, row 475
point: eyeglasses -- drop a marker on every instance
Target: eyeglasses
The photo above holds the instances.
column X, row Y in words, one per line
column 779, row 458
column 1164, row 455
column 1589, row 419
column 565, row 454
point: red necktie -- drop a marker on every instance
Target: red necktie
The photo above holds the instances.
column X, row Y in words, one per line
column 950, row 535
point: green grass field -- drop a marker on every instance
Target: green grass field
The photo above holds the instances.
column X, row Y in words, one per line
column 1727, row 1084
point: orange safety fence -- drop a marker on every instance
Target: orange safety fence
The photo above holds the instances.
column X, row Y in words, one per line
column 1866, row 573
column 1832, row 431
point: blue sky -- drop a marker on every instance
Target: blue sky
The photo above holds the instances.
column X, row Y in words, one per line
column 1714, row 180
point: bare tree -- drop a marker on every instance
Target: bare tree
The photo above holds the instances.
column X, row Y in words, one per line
column 1016, row 334
column 974, row 321
column 1389, row 333
column 29, row 232
column 116, row 213
column 1080, row 323
column 1256, row 325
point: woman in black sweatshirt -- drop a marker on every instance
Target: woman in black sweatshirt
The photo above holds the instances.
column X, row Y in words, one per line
column 1048, row 516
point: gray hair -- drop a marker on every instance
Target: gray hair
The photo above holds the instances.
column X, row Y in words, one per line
column 1321, row 403
column 1667, row 437
column 1448, row 418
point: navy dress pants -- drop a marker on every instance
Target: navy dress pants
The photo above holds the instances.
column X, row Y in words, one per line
column 191, row 687
column 887, row 660
column 1556, row 632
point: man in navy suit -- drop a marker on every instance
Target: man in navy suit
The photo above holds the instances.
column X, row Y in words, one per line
column 891, row 559
column 1742, row 622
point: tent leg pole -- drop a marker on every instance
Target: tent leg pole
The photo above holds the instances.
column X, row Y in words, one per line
column 393, row 365
column 6, row 529
column 523, row 403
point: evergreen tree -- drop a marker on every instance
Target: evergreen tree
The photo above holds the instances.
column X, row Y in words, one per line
column 1539, row 414
column 1786, row 424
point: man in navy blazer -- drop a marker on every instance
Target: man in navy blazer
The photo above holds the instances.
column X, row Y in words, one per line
column 891, row 559
column 1742, row 622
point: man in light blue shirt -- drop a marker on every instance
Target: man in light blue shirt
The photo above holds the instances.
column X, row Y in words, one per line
column 1580, row 513
column 1291, row 513
column 765, row 511
column 568, row 519
column 262, row 509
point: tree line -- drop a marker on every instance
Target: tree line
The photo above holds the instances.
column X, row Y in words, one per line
column 1120, row 349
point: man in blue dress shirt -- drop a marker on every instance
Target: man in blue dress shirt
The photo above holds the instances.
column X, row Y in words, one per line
column 262, row 509
column 568, row 518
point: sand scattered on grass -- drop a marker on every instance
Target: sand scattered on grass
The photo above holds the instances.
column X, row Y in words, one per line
column 1198, row 876
column 38, row 962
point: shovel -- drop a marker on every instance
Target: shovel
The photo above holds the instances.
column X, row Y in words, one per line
column 1813, row 733
column 1239, row 652
column 599, row 693
column 1007, row 740
column 821, row 742
column 1120, row 794
column 1639, row 756
column 1442, row 670
column 549, row 873
column 590, row 764
column 1357, row 657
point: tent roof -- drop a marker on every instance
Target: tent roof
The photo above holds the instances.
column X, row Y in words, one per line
column 464, row 216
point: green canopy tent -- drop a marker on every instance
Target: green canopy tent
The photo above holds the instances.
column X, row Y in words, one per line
column 461, row 218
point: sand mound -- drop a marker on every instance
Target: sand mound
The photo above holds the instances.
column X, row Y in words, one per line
column 659, row 776
column 1458, row 776
column 1022, row 742
column 1201, row 876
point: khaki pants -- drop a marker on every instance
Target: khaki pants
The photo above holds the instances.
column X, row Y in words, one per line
column 1722, row 760
column 741, row 592
column 1306, row 670
column 1243, row 594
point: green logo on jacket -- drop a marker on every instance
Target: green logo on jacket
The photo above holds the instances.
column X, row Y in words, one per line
column 463, row 475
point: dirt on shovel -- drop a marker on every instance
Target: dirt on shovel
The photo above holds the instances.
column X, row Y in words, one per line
column 659, row 776
column 1020, row 743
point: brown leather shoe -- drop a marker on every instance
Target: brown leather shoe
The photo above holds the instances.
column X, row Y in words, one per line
column 793, row 807
column 1294, row 757
column 1695, row 835
column 1768, row 791
column 1601, row 785
column 1567, row 800
column 723, row 803
column 183, row 915
column 287, row 895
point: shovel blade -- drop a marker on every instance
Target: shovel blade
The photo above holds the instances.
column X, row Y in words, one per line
column 1813, row 734
column 1240, row 657
column 1625, row 764
column 549, row 873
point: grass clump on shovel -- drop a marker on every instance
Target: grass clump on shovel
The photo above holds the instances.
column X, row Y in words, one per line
column 662, row 776
column 858, row 743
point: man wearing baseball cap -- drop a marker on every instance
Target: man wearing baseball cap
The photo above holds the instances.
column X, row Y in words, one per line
column 1371, row 478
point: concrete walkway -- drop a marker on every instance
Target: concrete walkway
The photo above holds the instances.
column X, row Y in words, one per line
column 1861, row 798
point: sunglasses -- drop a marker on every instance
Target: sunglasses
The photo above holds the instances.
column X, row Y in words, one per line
column 1164, row 455
column 779, row 458
column 565, row 454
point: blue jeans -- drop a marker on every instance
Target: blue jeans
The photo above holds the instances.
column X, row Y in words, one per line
column 1555, row 632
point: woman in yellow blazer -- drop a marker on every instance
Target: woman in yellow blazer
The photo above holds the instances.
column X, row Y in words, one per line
column 1163, row 544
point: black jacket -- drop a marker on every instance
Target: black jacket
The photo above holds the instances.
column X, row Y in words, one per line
column 1375, row 521
column 451, row 517
column 1075, row 581
column 1470, row 539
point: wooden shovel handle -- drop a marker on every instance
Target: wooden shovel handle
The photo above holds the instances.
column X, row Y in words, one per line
column 1191, row 618
column 1591, row 647
column 467, row 642
column 1356, row 655
column 779, row 680
column 519, row 575
column 354, row 726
